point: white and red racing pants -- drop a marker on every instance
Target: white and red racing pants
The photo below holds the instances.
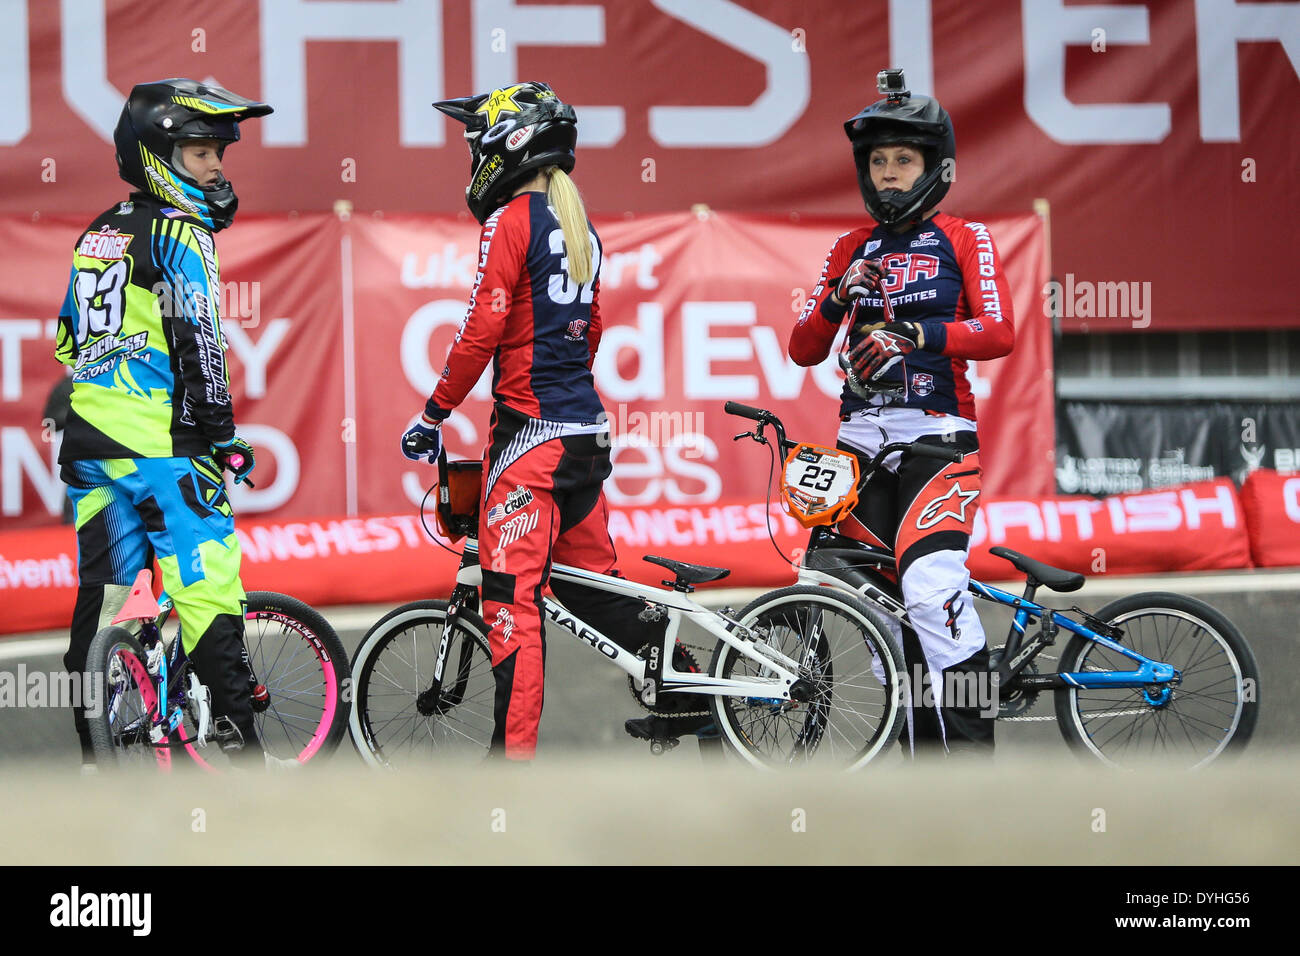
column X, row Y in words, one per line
column 542, row 503
column 924, row 509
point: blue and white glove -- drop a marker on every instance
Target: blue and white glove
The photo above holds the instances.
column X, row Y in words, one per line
column 423, row 440
column 237, row 455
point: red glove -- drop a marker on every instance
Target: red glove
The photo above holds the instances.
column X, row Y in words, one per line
column 884, row 348
column 863, row 278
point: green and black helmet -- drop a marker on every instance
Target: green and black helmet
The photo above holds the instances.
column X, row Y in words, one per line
column 157, row 119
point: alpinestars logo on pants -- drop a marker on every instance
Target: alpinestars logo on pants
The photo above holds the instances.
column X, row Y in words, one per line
column 950, row 505
column 518, row 526
column 514, row 501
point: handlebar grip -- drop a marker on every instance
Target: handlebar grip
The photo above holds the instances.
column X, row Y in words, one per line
column 923, row 450
column 746, row 411
column 236, row 461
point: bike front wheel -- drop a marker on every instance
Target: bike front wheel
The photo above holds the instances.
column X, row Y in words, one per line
column 296, row 655
column 400, row 716
column 121, row 703
column 1211, row 711
column 854, row 682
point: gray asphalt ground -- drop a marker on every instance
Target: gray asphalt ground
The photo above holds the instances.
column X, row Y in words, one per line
column 595, row 795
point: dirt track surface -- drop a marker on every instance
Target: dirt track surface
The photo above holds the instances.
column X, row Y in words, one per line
column 1048, row 811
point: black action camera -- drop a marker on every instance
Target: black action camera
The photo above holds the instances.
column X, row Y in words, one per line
column 891, row 83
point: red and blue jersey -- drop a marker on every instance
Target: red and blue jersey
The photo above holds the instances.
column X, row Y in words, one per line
column 539, row 328
column 946, row 276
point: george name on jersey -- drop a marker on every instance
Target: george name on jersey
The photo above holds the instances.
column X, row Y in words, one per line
column 107, row 244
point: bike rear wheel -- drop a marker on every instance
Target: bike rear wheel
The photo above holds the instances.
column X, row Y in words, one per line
column 851, row 660
column 1212, row 711
column 121, row 702
column 396, row 720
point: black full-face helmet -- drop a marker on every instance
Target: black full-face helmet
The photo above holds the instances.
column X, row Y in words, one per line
column 902, row 118
column 511, row 133
column 157, row 119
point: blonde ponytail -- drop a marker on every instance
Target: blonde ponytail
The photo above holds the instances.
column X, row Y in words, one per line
column 562, row 194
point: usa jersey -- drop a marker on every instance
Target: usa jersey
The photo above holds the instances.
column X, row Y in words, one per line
column 944, row 275
column 527, row 316
column 141, row 328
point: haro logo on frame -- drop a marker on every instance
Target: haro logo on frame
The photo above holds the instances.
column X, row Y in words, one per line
column 78, row 909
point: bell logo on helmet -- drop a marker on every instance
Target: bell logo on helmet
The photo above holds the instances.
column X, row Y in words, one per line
column 520, row 136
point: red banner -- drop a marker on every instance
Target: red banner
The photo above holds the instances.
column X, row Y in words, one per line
column 1162, row 133
column 338, row 331
column 389, row 559
column 1272, row 505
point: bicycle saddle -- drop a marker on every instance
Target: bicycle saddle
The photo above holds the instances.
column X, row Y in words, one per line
column 1045, row 574
column 688, row 573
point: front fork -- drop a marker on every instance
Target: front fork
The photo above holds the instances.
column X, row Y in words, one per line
column 434, row 699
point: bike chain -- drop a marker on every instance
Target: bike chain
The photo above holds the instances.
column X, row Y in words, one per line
column 655, row 708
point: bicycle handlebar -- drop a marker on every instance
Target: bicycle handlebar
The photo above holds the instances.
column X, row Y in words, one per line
column 765, row 417
column 747, row 411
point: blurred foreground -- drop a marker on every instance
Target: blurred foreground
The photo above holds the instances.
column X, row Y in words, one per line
column 1048, row 810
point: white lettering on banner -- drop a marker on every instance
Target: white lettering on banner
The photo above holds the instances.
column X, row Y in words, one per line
column 911, row 43
column 1220, row 26
column 692, row 526
column 1154, row 512
column 273, row 447
column 1291, row 498
column 85, row 66
column 700, row 349
column 645, row 258
column 1131, row 514
column 1049, row 27
column 287, row 26
column 19, row 456
column 1223, row 503
column 414, row 349
column 785, row 93
column 56, row 572
column 314, row 539
column 255, row 356
column 784, row 378
column 1013, row 514
column 446, row 270
column 661, row 469
column 13, row 332
column 540, row 25
column 16, row 118
column 1082, row 511
column 646, row 341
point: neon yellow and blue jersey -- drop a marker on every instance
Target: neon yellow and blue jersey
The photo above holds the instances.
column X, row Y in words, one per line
column 141, row 328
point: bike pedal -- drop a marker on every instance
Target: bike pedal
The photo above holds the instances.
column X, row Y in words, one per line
column 227, row 734
column 658, row 747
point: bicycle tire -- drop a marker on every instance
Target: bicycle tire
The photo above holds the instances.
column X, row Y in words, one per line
column 298, row 657
column 842, row 713
column 121, row 701
column 1198, row 634
column 387, row 727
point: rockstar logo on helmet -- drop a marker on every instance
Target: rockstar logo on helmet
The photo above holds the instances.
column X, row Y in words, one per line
column 501, row 101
